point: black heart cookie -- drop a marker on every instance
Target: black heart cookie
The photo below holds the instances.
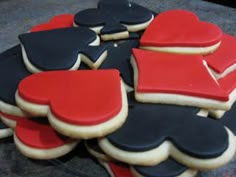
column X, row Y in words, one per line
column 153, row 132
column 168, row 168
column 12, row 71
column 114, row 19
column 61, row 49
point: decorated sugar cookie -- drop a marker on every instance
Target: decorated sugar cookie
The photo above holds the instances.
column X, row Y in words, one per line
column 114, row 19
column 176, row 79
column 180, row 31
column 38, row 140
column 228, row 84
column 119, row 58
column 223, row 60
column 61, row 49
column 154, row 132
column 58, row 21
column 5, row 131
column 12, row 71
column 79, row 104
column 168, row 168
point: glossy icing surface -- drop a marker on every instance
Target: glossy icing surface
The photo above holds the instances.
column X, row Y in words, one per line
column 119, row 58
column 58, row 49
column 111, row 14
column 180, row 28
column 168, row 168
column 39, row 135
column 224, row 56
column 228, row 83
column 176, row 74
column 12, row 67
column 77, row 97
column 180, row 125
column 59, row 21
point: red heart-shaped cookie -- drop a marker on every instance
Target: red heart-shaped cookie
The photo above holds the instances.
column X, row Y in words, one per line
column 59, row 21
column 180, row 28
column 76, row 98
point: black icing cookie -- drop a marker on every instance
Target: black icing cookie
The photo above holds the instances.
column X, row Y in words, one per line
column 119, row 58
column 229, row 119
column 150, row 125
column 114, row 16
column 59, row 49
column 12, row 71
column 168, row 168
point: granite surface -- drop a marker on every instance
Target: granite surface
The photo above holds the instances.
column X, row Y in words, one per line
column 18, row 16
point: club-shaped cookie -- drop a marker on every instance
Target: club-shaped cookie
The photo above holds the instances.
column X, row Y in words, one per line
column 79, row 104
column 61, row 49
column 154, row 132
column 180, row 31
column 114, row 19
column 176, row 79
column 12, row 71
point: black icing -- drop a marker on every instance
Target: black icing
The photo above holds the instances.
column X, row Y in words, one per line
column 2, row 126
column 58, row 49
column 111, row 14
column 149, row 125
column 12, row 71
column 229, row 119
column 119, row 58
column 168, row 168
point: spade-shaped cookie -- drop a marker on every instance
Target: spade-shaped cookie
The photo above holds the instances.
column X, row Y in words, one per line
column 61, row 49
column 153, row 132
column 114, row 19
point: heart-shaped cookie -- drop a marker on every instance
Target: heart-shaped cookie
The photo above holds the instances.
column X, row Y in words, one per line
column 180, row 31
column 59, row 21
column 38, row 140
column 153, row 132
column 79, row 104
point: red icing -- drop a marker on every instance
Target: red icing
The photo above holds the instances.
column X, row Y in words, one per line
column 228, row 83
column 77, row 97
column 176, row 74
column 120, row 171
column 11, row 117
column 224, row 56
column 38, row 135
column 180, row 28
column 59, row 21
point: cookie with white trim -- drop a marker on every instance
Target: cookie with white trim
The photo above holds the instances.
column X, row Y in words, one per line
column 79, row 104
column 12, row 71
column 61, row 49
column 38, row 140
column 176, row 79
column 181, row 31
column 223, row 60
column 154, row 132
column 168, row 168
column 5, row 131
column 114, row 20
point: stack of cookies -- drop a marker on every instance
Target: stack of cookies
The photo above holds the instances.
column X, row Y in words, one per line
column 151, row 95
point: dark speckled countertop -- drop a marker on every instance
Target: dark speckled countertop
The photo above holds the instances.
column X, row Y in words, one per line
column 18, row 16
